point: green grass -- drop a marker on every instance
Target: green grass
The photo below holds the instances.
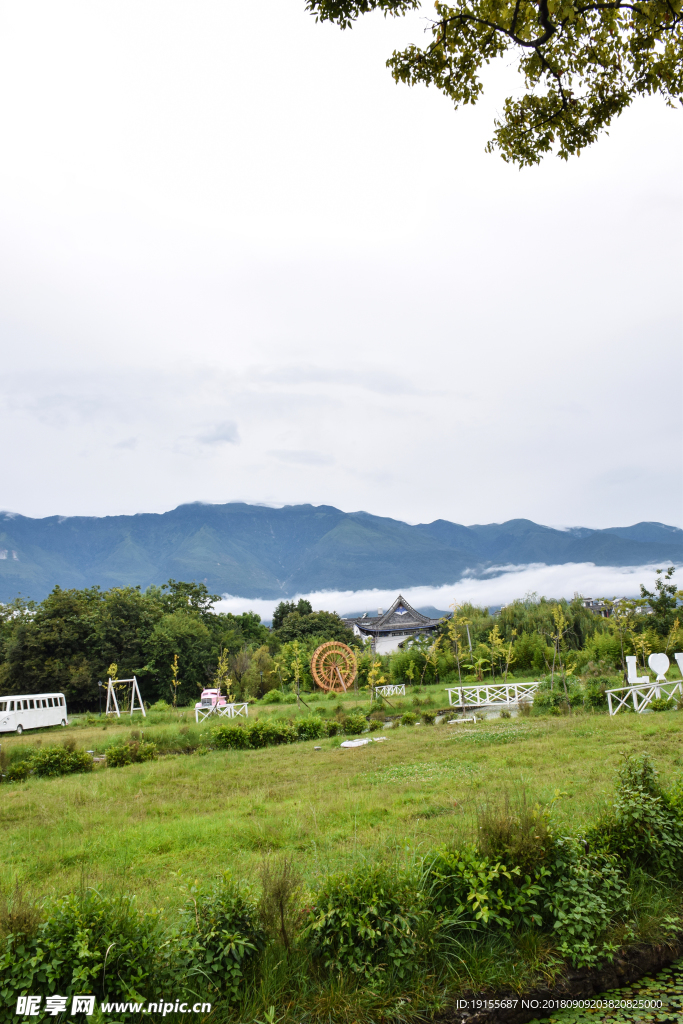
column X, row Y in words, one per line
column 202, row 812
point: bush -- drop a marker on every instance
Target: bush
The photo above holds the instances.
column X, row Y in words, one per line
column 311, row 728
column 132, row 752
column 375, row 725
column 88, row 943
column 231, row 737
column 408, row 718
column 60, row 761
column 662, row 704
column 272, row 697
column 18, row 771
column 428, row 717
column 469, row 891
column 49, row 762
column 643, row 827
column 221, row 937
column 585, row 894
column 595, row 693
column 354, row 724
column 270, row 734
column 365, row 922
column 160, row 705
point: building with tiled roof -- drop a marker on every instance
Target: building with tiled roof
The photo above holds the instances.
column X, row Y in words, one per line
column 388, row 630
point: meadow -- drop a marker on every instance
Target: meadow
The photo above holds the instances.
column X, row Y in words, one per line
column 197, row 811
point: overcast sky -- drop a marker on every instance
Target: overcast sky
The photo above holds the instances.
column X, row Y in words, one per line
column 237, row 262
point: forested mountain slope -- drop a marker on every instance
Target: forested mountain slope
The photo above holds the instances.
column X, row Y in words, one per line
column 254, row 551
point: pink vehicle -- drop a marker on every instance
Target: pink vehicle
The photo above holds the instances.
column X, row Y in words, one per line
column 210, row 699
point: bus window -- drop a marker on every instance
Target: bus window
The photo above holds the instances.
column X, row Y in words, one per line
column 31, row 705
column 3, row 705
column 44, row 702
column 11, row 705
column 61, row 701
column 25, row 705
column 49, row 702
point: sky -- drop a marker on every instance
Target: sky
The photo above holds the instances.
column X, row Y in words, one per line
column 239, row 263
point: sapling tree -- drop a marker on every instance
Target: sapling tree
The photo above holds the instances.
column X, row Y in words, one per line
column 562, row 627
column 496, row 646
column 509, row 653
column 222, row 677
column 175, row 681
column 581, row 63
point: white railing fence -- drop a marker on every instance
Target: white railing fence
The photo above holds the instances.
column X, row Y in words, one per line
column 223, row 711
column 391, row 690
column 494, row 695
column 637, row 698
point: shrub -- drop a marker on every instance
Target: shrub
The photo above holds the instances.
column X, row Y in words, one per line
column 505, row 713
column 408, row 718
column 643, row 827
column 353, row 724
column 272, row 697
column 469, row 891
column 231, row 737
column 376, row 725
column 311, row 728
column 364, row 922
column 221, row 937
column 60, row 761
column 49, row 762
column 132, row 752
column 18, row 771
column 595, row 693
column 270, row 734
column 662, row 704
column 160, row 705
column 333, row 728
column 585, row 894
column 88, row 943
column 428, row 717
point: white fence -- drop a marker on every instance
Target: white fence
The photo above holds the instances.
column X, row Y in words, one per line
column 223, row 711
column 495, row 695
column 637, row 698
column 391, row 690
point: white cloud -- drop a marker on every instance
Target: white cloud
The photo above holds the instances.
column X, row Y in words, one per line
column 330, row 261
column 222, row 433
column 512, row 581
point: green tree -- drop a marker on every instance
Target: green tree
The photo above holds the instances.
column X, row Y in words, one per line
column 324, row 625
column 46, row 647
column 285, row 608
column 663, row 601
column 581, row 62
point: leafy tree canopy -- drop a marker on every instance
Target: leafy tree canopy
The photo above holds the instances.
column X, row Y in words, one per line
column 582, row 62
column 285, row 608
column 663, row 600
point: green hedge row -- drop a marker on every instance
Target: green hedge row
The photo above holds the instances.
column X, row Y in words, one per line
column 50, row 761
column 253, row 735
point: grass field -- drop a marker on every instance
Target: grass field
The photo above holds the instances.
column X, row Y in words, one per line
column 134, row 828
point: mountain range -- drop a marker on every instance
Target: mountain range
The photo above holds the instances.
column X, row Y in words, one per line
column 255, row 551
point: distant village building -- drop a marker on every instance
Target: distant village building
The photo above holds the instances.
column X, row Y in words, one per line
column 597, row 607
column 605, row 608
column 388, row 630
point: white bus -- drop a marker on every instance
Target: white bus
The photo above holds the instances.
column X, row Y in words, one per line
column 34, row 712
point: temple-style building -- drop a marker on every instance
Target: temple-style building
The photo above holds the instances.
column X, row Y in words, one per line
column 389, row 629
